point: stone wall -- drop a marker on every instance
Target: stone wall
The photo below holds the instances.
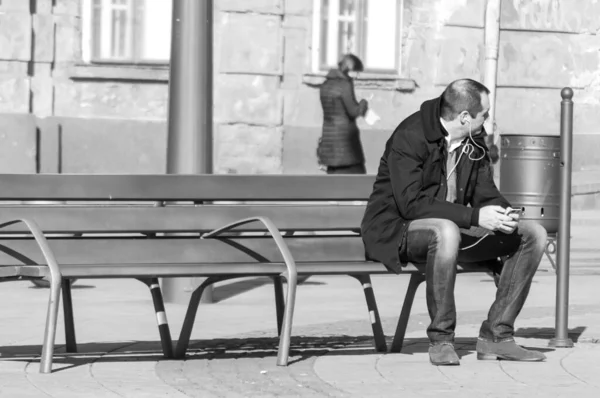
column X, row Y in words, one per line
column 107, row 119
column 545, row 45
column 442, row 41
column 268, row 116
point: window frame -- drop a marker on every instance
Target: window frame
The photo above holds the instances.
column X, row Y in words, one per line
column 318, row 66
column 137, row 29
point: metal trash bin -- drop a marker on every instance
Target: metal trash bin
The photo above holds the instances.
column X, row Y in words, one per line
column 530, row 177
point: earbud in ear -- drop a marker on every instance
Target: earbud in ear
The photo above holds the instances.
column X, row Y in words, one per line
column 465, row 118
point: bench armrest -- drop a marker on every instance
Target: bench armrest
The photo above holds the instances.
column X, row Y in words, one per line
column 275, row 234
column 40, row 239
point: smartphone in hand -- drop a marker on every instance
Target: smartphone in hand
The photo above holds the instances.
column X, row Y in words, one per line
column 510, row 211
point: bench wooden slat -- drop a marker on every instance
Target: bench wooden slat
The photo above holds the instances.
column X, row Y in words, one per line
column 8, row 271
column 149, row 270
column 208, row 187
column 171, row 253
column 204, row 269
column 103, row 219
column 181, row 250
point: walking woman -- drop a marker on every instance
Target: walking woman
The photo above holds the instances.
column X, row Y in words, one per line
column 340, row 150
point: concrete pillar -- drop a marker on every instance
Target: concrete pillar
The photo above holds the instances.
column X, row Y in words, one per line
column 190, row 119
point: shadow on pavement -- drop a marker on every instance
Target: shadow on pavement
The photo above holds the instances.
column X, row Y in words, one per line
column 303, row 348
column 229, row 290
column 549, row 333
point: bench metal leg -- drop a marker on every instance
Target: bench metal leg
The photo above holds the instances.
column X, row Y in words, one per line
column 51, row 322
column 55, row 284
column 291, row 275
column 378, row 335
column 69, row 319
column 286, row 327
column 279, row 301
column 190, row 316
column 413, row 285
column 283, row 351
column 161, row 316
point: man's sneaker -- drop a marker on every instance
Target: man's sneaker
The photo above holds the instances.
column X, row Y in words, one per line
column 507, row 350
column 443, row 354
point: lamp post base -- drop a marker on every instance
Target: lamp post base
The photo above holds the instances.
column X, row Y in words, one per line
column 561, row 343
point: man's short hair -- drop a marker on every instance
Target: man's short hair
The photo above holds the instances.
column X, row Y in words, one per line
column 462, row 95
column 350, row 63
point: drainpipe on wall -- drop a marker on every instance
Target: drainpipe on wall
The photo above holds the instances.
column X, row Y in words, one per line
column 492, row 48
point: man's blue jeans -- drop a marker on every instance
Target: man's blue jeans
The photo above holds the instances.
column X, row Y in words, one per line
column 437, row 243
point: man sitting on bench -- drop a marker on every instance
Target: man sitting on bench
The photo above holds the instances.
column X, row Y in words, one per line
column 434, row 202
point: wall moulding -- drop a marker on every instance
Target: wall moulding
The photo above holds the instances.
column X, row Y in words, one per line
column 367, row 81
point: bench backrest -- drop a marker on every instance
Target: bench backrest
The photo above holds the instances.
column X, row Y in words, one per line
column 124, row 217
column 182, row 203
column 148, row 188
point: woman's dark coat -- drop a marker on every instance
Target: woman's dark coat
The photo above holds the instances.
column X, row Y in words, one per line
column 340, row 142
column 410, row 185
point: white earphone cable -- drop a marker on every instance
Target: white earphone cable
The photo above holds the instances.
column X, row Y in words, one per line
column 474, row 244
column 469, row 149
column 476, row 144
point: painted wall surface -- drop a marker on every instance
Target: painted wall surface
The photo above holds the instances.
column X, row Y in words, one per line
column 109, row 119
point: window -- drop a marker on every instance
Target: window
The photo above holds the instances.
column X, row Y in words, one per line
column 127, row 31
column 371, row 29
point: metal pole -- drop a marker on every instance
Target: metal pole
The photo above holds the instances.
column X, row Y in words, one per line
column 189, row 146
column 561, row 339
column 492, row 50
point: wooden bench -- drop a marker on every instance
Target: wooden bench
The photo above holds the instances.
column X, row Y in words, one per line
column 215, row 226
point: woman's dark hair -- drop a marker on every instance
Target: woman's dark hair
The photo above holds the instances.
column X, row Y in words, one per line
column 462, row 95
column 350, row 63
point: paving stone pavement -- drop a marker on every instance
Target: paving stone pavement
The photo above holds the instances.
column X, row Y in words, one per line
column 233, row 350
column 332, row 355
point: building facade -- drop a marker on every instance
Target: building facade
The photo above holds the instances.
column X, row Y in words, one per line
column 84, row 83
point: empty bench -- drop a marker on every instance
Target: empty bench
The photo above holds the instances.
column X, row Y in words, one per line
column 216, row 226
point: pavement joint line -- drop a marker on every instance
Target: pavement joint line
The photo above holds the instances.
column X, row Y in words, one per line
column 562, row 366
column 30, row 381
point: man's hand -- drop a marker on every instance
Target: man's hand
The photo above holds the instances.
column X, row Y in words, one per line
column 512, row 213
column 515, row 218
column 494, row 219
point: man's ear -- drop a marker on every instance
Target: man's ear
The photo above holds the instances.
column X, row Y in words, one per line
column 464, row 117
